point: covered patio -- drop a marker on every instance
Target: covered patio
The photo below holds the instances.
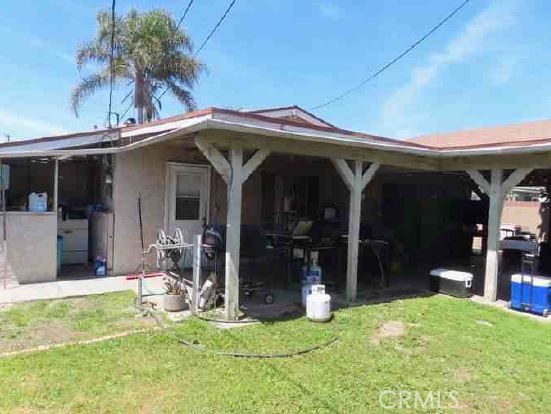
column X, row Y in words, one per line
column 275, row 168
column 357, row 159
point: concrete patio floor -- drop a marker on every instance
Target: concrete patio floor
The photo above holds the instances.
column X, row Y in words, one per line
column 70, row 288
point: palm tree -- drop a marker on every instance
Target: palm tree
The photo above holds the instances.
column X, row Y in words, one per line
column 151, row 54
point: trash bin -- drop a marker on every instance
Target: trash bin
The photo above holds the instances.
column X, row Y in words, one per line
column 59, row 252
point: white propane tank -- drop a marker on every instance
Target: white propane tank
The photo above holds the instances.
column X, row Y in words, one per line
column 318, row 305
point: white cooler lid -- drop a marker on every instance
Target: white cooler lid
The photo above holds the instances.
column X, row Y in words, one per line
column 452, row 274
column 519, row 278
column 540, row 281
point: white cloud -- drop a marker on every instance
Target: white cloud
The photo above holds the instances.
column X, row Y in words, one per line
column 330, row 10
column 504, row 69
column 32, row 126
column 397, row 111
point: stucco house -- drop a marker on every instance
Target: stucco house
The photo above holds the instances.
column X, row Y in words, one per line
column 270, row 168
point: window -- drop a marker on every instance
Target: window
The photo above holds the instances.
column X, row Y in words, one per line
column 188, row 197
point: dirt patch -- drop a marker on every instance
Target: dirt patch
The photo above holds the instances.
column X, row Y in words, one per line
column 19, row 338
column 52, row 332
column 463, row 375
column 390, row 329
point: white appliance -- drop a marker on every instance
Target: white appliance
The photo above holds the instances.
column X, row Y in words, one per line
column 75, row 241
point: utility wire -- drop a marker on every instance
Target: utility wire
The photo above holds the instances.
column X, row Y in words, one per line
column 393, row 61
column 209, row 36
column 215, row 28
column 185, row 14
column 111, row 58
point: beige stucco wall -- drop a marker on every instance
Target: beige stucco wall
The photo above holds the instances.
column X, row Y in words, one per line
column 142, row 172
column 31, row 247
column 531, row 215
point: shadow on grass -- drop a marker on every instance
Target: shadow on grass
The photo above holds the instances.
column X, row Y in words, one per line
column 292, row 308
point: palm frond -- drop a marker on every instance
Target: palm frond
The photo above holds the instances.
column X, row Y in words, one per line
column 150, row 50
column 88, row 86
column 183, row 95
column 91, row 52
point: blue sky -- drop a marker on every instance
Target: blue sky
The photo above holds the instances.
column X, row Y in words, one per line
column 491, row 64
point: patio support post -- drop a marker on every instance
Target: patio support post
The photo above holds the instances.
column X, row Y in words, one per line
column 234, row 173
column 56, row 185
column 494, row 224
column 496, row 190
column 356, row 181
column 233, row 233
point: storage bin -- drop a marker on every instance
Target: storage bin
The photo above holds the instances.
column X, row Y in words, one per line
column 531, row 293
column 451, row 282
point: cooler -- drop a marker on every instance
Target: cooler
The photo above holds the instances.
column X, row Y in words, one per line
column 451, row 282
column 541, row 295
column 521, row 291
column 531, row 293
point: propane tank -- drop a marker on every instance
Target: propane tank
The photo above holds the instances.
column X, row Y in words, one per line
column 318, row 304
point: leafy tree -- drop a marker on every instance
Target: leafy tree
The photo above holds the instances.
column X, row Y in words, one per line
column 151, row 54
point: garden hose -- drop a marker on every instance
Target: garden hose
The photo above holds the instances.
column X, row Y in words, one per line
column 194, row 345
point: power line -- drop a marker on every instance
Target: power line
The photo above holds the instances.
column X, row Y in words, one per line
column 216, row 26
column 209, row 36
column 112, row 68
column 393, row 61
column 185, row 14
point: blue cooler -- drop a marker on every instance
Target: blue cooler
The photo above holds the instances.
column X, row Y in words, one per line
column 541, row 295
column 521, row 291
column 531, row 293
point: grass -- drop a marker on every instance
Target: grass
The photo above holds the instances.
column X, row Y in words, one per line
column 492, row 360
column 47, row 322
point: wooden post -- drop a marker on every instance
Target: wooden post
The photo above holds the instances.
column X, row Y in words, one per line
column 494, row 222
column 234, row 174
column 356, row 181
column 496, row 190
column 233, row 233
column 354, row 218
column 197, row 240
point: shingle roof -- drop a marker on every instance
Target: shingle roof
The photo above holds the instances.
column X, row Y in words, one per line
column 525, row 134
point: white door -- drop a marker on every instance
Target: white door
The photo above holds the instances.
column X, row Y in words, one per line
column 188, row 196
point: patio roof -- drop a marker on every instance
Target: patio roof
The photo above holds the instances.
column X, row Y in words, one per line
column 293, row 126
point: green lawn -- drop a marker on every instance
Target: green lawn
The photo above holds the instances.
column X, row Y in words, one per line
column 492, row 361
column 47, row 322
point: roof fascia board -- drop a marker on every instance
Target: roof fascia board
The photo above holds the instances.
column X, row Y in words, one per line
column 61, row 143
column 231, row 122
column 178, row 124
column 198, row 126
column 236, row 123
column 495, row 150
